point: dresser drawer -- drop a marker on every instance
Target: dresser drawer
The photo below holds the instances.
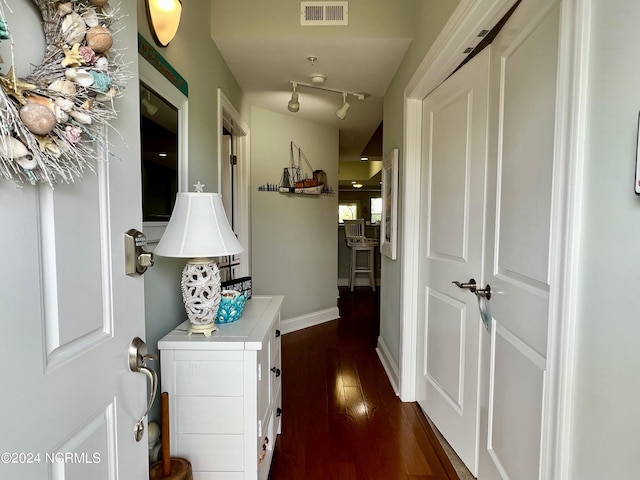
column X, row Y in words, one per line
column 228, row 417
column 209, row 378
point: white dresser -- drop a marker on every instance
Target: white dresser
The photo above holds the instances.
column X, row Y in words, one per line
column 224, row 393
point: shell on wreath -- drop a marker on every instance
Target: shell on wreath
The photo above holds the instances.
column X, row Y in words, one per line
column 47, row 102
column 87, row 55
column 99, row 39
column 88, row 104
column 101, row 81
column 90, row 17
column 37, row 118
column 64, row 104
column 80, row 117
column 27, row 162
column 11, row 147
column 47, row 144
column 61, row 115
column 107, row 96
column 63, row 86
column 80, row 76
column 101, row 63
column 72, row 134
column 73, row 28
column 65, row 8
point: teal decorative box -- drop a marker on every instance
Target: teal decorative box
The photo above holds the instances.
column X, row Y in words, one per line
column 231, row 306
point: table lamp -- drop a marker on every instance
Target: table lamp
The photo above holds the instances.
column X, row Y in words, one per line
column 199, row 230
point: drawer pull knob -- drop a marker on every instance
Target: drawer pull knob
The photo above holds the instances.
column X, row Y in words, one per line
column 278, row 333
column 276, row 371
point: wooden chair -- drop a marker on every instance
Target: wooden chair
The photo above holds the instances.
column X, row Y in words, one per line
column 358, row 242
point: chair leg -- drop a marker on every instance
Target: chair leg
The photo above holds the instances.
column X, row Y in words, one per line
column 372, row 269
column 352, row 268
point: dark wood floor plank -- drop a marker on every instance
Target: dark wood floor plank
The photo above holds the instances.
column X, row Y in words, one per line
column 342, row 420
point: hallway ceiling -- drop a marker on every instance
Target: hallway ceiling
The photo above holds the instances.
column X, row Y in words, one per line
column 266, row 47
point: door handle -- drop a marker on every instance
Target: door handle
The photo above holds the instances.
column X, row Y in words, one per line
column 471, row 285
column 473, row 288
column 138, row 356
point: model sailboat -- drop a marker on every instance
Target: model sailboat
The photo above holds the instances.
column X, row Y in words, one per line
column 300, row 177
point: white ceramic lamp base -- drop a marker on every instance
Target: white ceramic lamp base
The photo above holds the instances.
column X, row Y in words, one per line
column 201, row 294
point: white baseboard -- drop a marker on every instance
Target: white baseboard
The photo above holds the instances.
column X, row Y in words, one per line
column 389, row 365
column 309, row 320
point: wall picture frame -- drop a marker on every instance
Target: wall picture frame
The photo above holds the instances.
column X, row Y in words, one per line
column 389, row 224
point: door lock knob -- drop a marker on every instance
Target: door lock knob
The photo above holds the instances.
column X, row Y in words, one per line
column 145, row 259
column 137, row 259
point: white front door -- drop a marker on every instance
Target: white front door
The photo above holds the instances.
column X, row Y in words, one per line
column 517, row 265
column 451, row 240
column 68, row 312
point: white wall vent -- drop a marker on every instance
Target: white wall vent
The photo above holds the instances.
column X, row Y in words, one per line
column 324, row 13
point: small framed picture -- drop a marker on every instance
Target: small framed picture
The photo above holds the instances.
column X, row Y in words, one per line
column 388, row 231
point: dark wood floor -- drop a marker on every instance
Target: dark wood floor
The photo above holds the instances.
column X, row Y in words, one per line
column 341, row 418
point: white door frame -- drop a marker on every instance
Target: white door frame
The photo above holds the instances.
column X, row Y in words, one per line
column 460, row 32
column 229, row 118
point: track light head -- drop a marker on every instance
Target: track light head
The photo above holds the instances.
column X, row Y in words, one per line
column 294, row 104
column 341, row 113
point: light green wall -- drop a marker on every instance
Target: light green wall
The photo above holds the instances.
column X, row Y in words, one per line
column 431, row 17
column 194, row 55
column 604, row 437
column 295, row 252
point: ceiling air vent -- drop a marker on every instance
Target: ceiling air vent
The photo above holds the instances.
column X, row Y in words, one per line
column 324, row 13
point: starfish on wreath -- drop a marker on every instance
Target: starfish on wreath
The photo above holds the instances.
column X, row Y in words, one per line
column 14, row 87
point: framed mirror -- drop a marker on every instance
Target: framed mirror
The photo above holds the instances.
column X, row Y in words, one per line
column 164, row 127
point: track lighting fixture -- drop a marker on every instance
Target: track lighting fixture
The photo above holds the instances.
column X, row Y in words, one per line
column 148, row 105
column 341, row 113
column 294, row 104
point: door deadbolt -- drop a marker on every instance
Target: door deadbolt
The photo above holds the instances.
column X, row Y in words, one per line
column 136, row 258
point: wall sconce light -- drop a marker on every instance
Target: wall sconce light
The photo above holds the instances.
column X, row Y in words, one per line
column 341, row 113
column 164, row 18
column 294, row 104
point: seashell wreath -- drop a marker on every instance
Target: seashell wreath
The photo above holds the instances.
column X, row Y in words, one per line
column 53, row 122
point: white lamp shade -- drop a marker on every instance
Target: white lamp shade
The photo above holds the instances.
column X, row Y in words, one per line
column 198, row 228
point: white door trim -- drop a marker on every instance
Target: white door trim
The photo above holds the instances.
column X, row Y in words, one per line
column 571, row 126
column 229, row 118
column 460, row 32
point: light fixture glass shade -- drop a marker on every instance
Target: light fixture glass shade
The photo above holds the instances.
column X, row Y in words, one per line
column 294, row 104
column 198, row 228
column 164, row 19
column 341, row 113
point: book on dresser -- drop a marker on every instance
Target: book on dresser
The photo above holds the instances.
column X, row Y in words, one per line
column 224, row 393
